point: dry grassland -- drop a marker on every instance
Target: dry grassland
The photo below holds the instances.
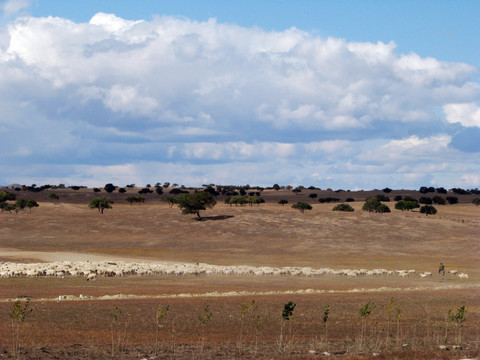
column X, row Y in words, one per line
column 265, row 235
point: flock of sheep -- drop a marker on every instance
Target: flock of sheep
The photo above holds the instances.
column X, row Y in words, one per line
column 90, row 270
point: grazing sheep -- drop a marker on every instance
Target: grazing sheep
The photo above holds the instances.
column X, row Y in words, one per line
column 463, row 276
column 91, row 277
column 453, row 272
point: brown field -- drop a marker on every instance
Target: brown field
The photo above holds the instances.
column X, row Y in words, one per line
column 265, row 235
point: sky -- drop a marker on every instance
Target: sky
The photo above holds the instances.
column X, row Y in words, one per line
column 335, row 94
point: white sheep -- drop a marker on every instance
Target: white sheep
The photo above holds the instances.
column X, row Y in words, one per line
column 463, row 276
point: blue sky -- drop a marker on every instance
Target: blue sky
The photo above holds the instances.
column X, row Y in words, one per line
column 341, row 94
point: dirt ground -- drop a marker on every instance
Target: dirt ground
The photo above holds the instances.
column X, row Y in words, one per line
column 266, row 235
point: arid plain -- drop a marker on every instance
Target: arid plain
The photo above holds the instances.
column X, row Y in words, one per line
column 415, row 324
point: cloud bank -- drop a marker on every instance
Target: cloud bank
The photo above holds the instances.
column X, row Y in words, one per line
column 191, row 102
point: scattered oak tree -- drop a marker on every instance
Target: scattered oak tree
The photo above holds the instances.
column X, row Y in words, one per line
column 438, row 200
column 136, row 199
column 374, row 205
column 302, row 206
column 194, row 203
column 428, row 210
column 31, row 204
column 406, row 205
column 109, row 187
column 5, row 195
column 452, row 200
column 283, row 202
column 100, row 203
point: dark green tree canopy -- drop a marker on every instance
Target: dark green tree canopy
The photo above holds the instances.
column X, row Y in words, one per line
column 5, row 195
column 428, row 210
column 109, row 187
column 302, row 206
column 343, row 207
column 406, row 205
column 101, row 204
column 374, row 205
column 194, row 203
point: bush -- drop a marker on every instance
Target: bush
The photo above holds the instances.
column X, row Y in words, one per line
column 428, row 210
column 5, row 195
column 283, row 202
column 382, row 197
column 145, row 190
column 441, row 190
column 122, row 190
column 312, row 196
column 387, row 190
column 178, row 191
column 438, row 200
column 425, row 200
column 461, row 191
column 476, row 201
column 382, row 208
column 109, row 187
column 350, row 199
column 406, row 205
column 425, row 189
column 328, row 200
column 398, row 198
column 452, row 200
column 343, row 207
column 302, row 206
column 374, row 205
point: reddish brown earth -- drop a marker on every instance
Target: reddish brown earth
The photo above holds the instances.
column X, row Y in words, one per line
column 268, row 234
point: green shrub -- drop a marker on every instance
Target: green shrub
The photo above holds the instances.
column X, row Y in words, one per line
column 406, row 205
column 382, row 197
column 302, row 206
column 343, row 207
column 428, row 210
column 438, row 200
column 374, row 205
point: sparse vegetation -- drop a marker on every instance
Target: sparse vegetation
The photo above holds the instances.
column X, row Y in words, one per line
column 109, row 188
column 343, row 207
column 302, row 206
column 452, row 200
column 374, row 205
column 236, row 330
column 17, row 318
column 194, row 203
column 100, row 204
column 406, row 205
column 428, row 210
column 328, row 199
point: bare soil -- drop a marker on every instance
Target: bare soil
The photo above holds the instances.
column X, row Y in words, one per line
column 265, row 235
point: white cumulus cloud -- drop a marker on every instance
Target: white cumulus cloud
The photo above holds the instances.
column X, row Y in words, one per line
column 112, row 92
column 466, row 114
